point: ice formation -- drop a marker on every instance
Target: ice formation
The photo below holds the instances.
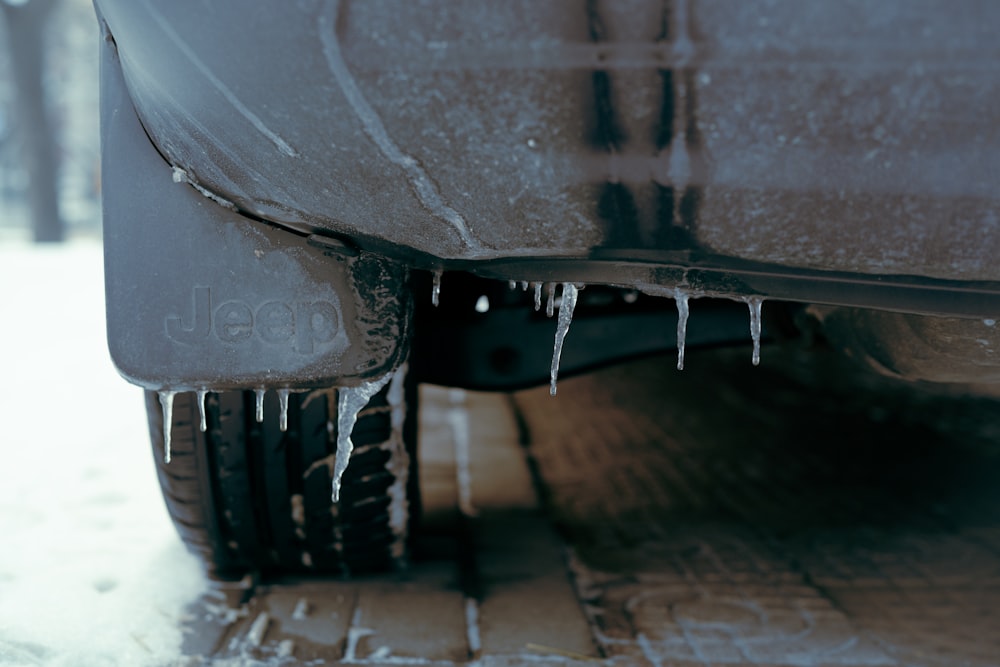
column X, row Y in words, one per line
column 167, row 403
column 259, row 412
column 538, row 296
column 350, row 401
column 569, row 293
column 682, row 299
column 283, row 414
column 436, row 289
column 755, row 303
column 203, row 424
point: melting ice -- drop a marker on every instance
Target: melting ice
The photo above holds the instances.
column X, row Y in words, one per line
column 167, row 403
column 203, row 424
column 259, row 412
column 550, row 307
column 350, row 401
column 538, row 296
column 755, row 303
column 682, row 300
column 283, row 414
column 569, row 293
column 436, row 289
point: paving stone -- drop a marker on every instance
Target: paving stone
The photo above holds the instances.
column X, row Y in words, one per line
column 772, row 516
column 410, row 620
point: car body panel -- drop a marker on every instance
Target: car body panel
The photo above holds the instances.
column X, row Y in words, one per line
column 858, row 137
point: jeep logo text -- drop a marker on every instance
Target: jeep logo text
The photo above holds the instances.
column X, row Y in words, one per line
column 301, row 325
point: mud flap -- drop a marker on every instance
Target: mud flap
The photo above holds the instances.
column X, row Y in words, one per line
column 201, row 297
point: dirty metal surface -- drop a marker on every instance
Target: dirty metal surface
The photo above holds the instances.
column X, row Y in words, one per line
column 798, row 514
column 802, row 513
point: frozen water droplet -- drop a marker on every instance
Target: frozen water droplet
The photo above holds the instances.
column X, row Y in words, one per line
column 524, row 285
column 167, row 403
column 538, row 296
column 283, row 414
column 682, row 300
column 259, row 413
column 350, row 401
column 483, row 304
column 755, row 304
column 436, row 289
column 550, row 307
column 203, row 423
column 569, row 292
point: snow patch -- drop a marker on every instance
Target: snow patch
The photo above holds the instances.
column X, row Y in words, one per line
column 91, row 569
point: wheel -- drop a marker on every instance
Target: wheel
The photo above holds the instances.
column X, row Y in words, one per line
column 245, row 496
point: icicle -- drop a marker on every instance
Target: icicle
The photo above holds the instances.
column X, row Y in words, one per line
column 436, row 289
column 167, row 403
column 512, row 284
column 201, row 409
column 550, row 307
column 681, row 298
column 283, row 414
column 260, row 404
column 524, row 285
column 350, row 401
column 755, row 304
column 569, row 293
column 538, row 296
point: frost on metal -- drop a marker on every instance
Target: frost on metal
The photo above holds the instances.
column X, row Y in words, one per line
column 182, row 176
column 421, row 182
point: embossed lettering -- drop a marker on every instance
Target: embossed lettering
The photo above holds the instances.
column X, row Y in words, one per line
column 303, row 326
column 317, row 323
column 233, row 322
column 275, row 322
column 201, row 320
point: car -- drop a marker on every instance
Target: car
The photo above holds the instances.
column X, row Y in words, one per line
column 311, row 207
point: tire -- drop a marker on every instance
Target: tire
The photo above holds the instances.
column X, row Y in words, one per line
column 246, row 497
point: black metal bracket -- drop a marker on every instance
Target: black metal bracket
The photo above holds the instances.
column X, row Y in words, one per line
column 505, row 344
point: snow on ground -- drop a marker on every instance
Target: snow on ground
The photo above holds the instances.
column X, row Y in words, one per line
column 91, row 570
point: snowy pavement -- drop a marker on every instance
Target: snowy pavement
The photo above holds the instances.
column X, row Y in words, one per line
column 801, row 513
column 91, row 570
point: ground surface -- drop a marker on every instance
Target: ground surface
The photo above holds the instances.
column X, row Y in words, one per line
column 801, row 513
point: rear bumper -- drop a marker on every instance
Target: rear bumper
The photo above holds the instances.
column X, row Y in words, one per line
column 859, row 138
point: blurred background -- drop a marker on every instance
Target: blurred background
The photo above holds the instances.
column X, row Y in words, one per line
column 49, row 128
